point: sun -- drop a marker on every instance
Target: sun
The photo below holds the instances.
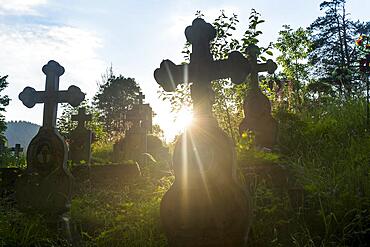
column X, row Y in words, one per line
column 183, row 119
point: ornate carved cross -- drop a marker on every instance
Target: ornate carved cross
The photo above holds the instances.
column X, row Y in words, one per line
column 16, row 149
column 51, row 96
column 270, row 66
column 82, row 117
column 202, row 69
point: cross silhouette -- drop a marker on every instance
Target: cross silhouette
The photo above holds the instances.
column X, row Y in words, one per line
column 202, row 69
column 270, row 66
column 17, row 149
column 51, row 96
column 82, row 117
column 141, row 97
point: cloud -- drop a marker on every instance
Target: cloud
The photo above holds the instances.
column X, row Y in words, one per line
column 20, row 7
column 26, row 48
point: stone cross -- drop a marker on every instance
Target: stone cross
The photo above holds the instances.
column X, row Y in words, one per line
column 202, row 69
column 17, row 149
column 270, row 66
column 45, row 186
column 257, row 107
column 51, row 96
column 204, row 205
column 81, row 117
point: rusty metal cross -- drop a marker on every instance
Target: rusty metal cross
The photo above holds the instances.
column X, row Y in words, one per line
column 51, row 96
column 202, row 69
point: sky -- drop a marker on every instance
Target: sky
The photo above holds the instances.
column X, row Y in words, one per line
column 88, row 36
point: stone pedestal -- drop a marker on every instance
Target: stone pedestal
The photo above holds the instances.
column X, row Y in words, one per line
column 258, row 118
column 205, row 207
column 45, row 187
column 80, row 145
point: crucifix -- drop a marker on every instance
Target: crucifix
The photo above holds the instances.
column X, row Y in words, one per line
column 202, row 68
column 51, row 96
column 17, row 149
column 81, row 117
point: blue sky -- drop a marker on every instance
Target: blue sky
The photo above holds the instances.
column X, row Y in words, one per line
column 87, row 36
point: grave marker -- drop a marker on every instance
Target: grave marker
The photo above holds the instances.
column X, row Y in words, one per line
column 257, row 107
column 45, row 187
column 81, row 138
column 204, row 206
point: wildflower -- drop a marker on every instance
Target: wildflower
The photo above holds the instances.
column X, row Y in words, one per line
column 359, row 41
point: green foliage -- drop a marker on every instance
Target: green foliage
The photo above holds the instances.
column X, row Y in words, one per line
column 114, row 99
column 228, row 97
column 125, row 216
column 333, row 37
column 65, row 124
column 4, row 101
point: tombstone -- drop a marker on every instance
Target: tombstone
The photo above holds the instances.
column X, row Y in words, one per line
column 81, row 138
column 17, row 149
column 205, row 205
column 257, row 107
column 134, row 144
column 45, row 187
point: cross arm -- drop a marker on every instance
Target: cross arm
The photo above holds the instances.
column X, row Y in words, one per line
column 169, row 75
column 30, row 97
column 73, row 96
column 270, row 66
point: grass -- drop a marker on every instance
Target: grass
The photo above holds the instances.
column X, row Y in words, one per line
column 326, row 150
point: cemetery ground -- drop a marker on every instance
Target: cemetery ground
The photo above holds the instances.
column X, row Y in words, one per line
column 316, row 193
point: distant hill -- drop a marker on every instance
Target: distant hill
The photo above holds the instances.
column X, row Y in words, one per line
column 20, row 132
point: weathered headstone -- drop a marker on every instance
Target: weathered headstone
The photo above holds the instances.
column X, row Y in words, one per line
column 17, row 149
column 257, row 107
column 81, row 138
column 45, row 187
column 134, row 144
column 204, row 206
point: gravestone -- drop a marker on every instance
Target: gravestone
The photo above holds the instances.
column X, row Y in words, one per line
column 17, row 149
column 134, row 144
column 80, row 139
column 45, row 186
column 205, row 205
column 257, row 107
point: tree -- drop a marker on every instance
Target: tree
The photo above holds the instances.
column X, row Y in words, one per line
column 4, row 101
column 294, row 47
column 115, row 97
column 334, row 56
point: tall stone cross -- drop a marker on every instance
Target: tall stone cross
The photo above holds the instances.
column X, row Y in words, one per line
column 202, row 69
column 256, row 106
column 17, row 149
column 51, row 96
column 45, row 186
column 204, row 205
column 82, row 117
